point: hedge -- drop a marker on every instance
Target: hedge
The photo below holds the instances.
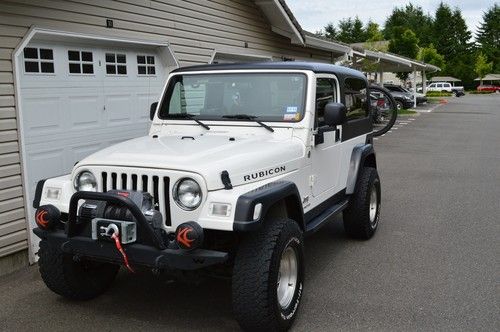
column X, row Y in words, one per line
column 438, row 94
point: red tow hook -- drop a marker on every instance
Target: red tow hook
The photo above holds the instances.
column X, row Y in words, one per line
column 115, row 235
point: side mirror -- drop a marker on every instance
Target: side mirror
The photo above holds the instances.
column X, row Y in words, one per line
column 152, row 110
column 335, row 114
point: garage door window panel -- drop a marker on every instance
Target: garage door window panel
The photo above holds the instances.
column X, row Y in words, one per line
column 146, row 65
column 116, row 64
column 80, row 62
column 38, row 60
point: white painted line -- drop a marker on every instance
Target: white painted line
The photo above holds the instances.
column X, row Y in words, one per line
column 376, row 138
column 395, row 128
column 404, row 123
column 390, row 131
column 382, row 135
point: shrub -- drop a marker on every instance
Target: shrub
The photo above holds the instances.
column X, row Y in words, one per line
column 475, row 92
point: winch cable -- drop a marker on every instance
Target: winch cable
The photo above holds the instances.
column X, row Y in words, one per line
column 115, row 236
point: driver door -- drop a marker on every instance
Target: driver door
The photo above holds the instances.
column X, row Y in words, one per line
column 326, row 152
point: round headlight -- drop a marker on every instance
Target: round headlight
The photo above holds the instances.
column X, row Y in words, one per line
column 85, row 181
column 187, row 194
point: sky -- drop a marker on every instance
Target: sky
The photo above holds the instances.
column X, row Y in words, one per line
column 313, row 15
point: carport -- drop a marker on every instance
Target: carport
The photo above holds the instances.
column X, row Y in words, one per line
column 449, row 79
column 381, row 62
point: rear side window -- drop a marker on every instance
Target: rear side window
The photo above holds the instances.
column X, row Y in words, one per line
column 356, row 100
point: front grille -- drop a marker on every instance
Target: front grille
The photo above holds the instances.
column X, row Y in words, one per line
column 158, row 187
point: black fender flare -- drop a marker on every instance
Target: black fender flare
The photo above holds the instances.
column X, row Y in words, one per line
column 359, row 156
column 267, row 195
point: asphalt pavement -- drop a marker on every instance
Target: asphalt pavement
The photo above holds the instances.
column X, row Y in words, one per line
column 432, row 265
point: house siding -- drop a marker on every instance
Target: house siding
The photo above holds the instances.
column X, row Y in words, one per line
column 194, row 29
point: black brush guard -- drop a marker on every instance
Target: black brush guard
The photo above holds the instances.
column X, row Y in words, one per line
column 155, row 254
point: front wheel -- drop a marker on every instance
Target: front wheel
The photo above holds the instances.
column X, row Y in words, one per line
column 76, row 280
column 268, row 277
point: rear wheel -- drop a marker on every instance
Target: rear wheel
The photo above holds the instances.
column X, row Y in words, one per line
column 268, row 277
column 362, row 216
column 77, row 280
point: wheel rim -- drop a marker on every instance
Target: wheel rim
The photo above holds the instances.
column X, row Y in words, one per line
column 373, row 206
column 399, row 105
column 287, row 277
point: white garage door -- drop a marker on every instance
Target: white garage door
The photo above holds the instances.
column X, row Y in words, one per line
column 77, row 99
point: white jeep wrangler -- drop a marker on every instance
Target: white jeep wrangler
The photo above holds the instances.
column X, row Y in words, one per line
column 242, row 161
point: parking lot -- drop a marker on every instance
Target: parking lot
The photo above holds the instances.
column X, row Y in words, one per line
column 433, row 264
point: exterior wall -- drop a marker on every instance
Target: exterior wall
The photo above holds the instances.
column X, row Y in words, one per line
column 194, row 28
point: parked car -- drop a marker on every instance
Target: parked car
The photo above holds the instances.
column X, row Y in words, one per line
column 241, row 162
column 403, row 97
column 446, row 87
column 493, row 88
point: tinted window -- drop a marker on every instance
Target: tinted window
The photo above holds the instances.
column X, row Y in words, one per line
column 355, row 98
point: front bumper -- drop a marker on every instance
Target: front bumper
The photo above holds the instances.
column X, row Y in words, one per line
column 138, row 254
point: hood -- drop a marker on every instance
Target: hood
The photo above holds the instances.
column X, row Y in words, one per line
column 246, row 158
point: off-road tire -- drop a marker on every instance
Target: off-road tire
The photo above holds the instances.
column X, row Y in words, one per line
column 356, row 216
column 82, row 280
column 255, row 276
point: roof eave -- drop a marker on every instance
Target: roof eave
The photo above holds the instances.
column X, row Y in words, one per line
column 282, row 22
column 326, row 45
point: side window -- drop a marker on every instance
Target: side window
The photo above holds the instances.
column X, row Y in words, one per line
column 356, row 101
column 146, row 65
column 80, row 62
column 439, row 85
column 116, row 64
column 325, row 93
column 38, row 60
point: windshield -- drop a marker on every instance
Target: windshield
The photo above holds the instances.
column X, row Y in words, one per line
column 261, row 96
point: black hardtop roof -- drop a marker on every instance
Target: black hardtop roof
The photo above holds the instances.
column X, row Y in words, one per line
column 291, row 65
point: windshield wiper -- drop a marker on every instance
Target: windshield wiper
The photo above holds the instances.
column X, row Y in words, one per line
column 248, row 117
column 188, row 116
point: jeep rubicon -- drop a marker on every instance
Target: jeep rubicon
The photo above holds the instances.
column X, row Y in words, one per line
column 241, row 162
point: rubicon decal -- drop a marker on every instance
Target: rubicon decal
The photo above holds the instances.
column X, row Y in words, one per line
column 262, row 174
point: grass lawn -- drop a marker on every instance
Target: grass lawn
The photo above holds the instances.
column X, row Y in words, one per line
column 406, row 112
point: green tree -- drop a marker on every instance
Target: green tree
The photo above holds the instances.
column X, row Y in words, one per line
column 409, row 17
column 431, row 56
column 451, row 36
column 406, row 44
column 349, row 30
column 330, row 31
column 443, row 36
column 372, row 32
column 488, row 36
column 482, row 66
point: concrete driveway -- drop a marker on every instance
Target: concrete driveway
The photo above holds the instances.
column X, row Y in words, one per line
column 433, row 265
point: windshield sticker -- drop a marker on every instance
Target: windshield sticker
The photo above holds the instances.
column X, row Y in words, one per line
column 291, row 117
column 292, row 109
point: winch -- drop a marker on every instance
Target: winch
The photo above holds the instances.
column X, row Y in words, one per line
column 103, row 215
